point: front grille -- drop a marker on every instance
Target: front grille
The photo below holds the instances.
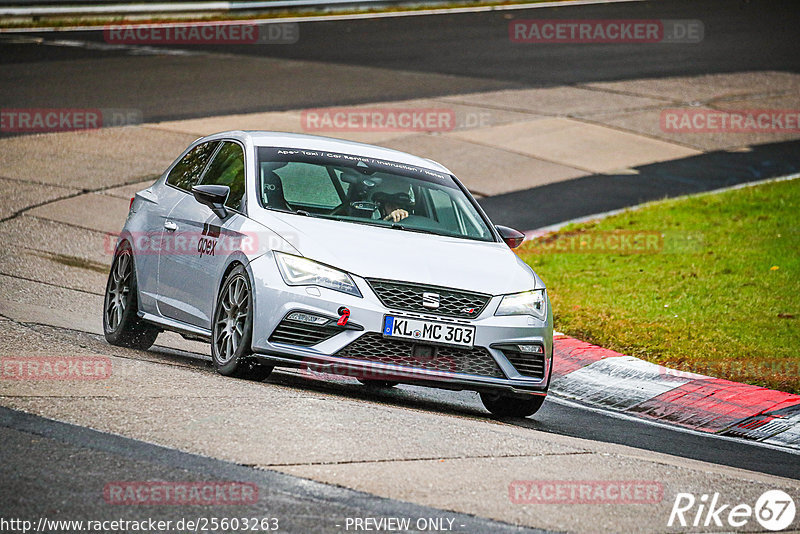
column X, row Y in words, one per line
column 303, row 334
column 375, row 348
column 531, row 365
column 407, row 296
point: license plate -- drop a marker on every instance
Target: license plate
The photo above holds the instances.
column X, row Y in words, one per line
column 431, row 331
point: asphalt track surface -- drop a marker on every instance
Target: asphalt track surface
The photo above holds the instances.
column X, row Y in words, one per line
column 81, row 461
column 405, row 57
column 563, row 201
column 400, row 57
column 361, row 61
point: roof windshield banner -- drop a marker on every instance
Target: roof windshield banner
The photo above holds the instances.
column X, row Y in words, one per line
column 365, row 164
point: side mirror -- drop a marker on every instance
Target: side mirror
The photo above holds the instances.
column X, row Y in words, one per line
column 213, row 196
column 513, row 238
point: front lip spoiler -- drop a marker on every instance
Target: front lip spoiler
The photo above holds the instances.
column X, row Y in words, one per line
column 408, row 375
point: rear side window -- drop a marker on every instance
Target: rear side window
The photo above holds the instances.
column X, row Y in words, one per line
column 187, row 171
column 227, row 168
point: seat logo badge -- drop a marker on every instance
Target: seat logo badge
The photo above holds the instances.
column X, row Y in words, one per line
column 430, row 300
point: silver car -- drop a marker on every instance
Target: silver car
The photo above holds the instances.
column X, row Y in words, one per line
column 335, row 257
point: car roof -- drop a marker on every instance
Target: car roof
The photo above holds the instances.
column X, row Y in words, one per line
column 316, row 142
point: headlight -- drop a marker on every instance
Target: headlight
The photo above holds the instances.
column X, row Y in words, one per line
column 297, row 271
column 528, row 303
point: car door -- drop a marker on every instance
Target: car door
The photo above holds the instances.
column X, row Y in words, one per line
column 161, row 199
column 188, row 277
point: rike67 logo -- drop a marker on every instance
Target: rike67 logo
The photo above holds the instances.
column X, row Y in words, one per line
column 774, row 510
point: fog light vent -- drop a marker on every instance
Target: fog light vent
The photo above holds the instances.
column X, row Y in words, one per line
column 307, row 318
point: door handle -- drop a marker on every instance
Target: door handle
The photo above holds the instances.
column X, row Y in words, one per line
column 170, row 226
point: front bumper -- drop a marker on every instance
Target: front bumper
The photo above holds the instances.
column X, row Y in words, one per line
column 338, row 353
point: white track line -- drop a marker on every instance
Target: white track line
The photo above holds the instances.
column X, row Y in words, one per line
column 137, row 50
column 333, row 18
column 552, row 397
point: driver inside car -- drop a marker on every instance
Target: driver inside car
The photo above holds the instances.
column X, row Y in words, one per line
column 394, row 207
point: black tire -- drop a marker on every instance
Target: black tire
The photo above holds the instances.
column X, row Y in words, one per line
column 232, row 330
column 121, row 323
column 378, row 384
column 501, row 405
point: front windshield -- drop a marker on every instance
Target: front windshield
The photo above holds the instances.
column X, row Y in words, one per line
column 367, row 191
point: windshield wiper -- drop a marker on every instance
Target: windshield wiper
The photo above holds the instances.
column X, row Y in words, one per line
column 398, row 226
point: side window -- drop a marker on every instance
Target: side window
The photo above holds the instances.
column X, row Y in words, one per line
column 308, row 185
column 187, row 171
column 227, row 168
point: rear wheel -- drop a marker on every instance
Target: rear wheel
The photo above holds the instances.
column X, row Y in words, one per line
column 121, row 323
column 501, row 405
column 232, row 330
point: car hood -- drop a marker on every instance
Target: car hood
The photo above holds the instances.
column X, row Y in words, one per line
column 374, row 252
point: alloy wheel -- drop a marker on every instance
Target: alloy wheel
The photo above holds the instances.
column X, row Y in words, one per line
column 232, row 318
column 118, row 291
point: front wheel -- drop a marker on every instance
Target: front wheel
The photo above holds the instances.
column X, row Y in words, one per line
column 232, row 330
column 121, row 323
column 501, row 405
